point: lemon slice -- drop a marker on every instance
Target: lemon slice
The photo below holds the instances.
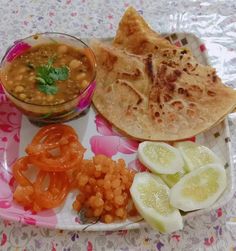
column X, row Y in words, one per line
column 151, row 198
column 171, row 179
column 160, row 157
column 196, row 155
column 199, row 189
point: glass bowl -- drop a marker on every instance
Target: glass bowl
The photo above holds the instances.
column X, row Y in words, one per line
column 50, row 113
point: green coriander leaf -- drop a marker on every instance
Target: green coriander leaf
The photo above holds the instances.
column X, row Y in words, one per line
column 61, row 73
column 49, row 64
column 43, row 72
column 47, row 115
column 41, row 80
column 51, row 61
column 48, row 89
column 46, row 75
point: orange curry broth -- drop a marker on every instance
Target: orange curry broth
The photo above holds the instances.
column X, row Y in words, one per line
column 19, row 78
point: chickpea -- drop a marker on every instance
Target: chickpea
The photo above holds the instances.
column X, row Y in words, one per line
column 69, row 92
column 62, row 61
column 28, row 99
column 75, row 63
column 10, row 82
column 22, row 70
column 22, row 96
column 83, row 68
column 32, row 78
column 62, row 49
column 80, row 76
column 38, row 98
column 85, row 59
column 50, row 98
column 38, row 94
column 80, row 51
column 19, row 77
column 84, row 84
column 19, row 88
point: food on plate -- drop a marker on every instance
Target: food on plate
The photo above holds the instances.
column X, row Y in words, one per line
column 55, row 165
column 50, row 77
column 55, row 148
column 199, row 188
column 196, row 155
column 48, row 74
column 160, row 158
column 153, row 90
column 36, row 195
column 107, row 189
column 151, row 198
column 135, row 35
column 171, row 163
column 104, row 189
column 171, row 179
column 54, row 156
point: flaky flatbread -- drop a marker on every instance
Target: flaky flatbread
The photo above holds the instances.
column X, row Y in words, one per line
column 155, row 90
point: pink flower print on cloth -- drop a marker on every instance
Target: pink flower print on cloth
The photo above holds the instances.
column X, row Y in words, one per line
column 110, row 143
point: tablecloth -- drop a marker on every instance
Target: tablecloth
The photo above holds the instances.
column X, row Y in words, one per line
column 214, row 22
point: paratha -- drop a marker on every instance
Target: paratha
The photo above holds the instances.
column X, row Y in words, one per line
column 155, row 90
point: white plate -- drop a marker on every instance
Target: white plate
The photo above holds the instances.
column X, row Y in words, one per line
column 98, row 137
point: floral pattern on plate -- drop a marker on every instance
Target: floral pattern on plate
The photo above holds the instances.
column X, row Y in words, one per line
column 99, row 137
column 214, row 22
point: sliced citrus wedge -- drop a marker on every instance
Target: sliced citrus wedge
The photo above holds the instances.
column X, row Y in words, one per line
column 199, row 189
column 196, row 155
column 160, row 157
column 151, row 198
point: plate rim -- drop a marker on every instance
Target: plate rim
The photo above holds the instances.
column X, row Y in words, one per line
column 141, row 223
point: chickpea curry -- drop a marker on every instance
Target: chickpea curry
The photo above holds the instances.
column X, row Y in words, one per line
column 49, row 74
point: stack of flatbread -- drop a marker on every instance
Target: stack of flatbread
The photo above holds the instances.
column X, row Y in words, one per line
column 153, row 90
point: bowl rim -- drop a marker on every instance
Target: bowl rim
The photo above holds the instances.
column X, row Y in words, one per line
column 92, row 82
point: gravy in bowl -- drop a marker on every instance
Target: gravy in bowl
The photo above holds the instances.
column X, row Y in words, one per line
column 49, row 74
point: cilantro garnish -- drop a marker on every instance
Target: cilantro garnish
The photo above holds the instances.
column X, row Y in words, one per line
column 46, row 75
column 48, row 89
